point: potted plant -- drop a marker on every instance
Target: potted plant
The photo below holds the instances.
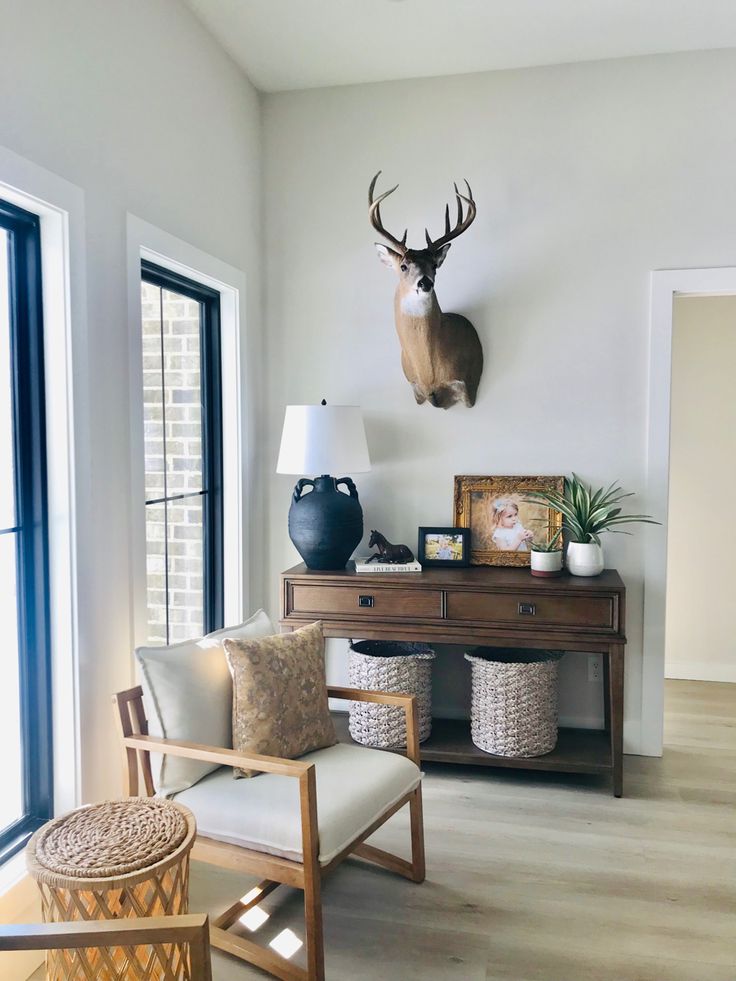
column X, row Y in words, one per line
column 587, row 514
column 546, row 557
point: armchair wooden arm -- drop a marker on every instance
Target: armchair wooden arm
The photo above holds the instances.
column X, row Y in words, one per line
column 192, row 929
column 133, row 728
column 365, row 695
column 407, row 702
column 217, row 754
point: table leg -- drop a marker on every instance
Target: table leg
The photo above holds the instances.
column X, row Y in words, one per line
column 607, row 693
column 616, row 715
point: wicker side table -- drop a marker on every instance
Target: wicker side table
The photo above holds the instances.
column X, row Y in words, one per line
column 124, row 858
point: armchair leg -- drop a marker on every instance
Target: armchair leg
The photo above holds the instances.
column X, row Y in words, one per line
column 417, row 836
column 313, row 932
column 314, row 937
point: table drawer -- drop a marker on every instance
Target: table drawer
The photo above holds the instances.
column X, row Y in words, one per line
column 577, row 613
column 369, row 601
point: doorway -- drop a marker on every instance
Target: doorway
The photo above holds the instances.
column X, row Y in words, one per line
column 668, row 422
column 701, row 536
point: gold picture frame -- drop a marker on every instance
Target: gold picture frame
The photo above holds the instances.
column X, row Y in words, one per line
column 502, row 521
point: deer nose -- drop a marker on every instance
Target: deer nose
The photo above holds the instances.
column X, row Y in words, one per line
column 425, row 284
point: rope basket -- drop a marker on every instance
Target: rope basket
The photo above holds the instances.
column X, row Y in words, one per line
column 124, row 858
column 514, row 701
column 380, row 665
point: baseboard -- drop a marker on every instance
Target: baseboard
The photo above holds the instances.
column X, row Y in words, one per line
column 696, row 671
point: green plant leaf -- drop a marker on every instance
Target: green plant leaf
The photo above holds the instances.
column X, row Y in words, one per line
column 587, row 513
column 550, row 546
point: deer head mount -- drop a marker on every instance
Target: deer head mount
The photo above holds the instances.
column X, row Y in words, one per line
column 441, row 354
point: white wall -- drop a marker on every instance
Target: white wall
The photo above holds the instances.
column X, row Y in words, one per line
column 587, row 177
column 132, row 101
column 702, row 536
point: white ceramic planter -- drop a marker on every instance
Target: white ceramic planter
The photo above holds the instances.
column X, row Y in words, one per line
column 584, row 559
column 546, row 563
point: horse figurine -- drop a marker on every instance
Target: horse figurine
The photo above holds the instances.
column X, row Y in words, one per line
column 393, row 554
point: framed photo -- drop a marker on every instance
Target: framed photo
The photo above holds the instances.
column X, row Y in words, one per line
column 502, row 520
column 445, row 547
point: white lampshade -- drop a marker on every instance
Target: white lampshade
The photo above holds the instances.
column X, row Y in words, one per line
column 323, row 439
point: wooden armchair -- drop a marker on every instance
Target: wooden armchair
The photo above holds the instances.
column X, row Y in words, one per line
column 191, row 930
column 384, row 782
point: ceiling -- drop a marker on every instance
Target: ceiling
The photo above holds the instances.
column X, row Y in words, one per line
column 297, row 44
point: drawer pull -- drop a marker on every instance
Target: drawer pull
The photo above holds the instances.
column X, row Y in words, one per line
column 365, row 601
column 527, row 609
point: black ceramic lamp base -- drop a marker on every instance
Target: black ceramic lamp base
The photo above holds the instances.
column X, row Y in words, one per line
column 325, row 525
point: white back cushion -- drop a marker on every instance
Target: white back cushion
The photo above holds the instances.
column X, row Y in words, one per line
column 187, row 694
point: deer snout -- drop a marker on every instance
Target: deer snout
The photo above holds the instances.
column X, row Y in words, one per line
column 425, row 284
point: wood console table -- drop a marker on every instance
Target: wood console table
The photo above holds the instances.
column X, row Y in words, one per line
column 503, row 607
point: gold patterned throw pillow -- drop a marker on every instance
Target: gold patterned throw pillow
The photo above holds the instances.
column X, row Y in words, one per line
column 280, row 703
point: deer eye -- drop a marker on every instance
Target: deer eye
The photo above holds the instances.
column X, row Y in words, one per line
column 404, row 267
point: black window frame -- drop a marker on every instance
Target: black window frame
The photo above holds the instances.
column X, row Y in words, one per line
column 211, row 403
column 25, row 311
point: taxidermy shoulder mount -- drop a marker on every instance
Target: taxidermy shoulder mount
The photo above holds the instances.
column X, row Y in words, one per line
column 441, row 353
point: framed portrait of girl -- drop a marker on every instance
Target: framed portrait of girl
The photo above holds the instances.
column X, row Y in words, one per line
column 503, row 521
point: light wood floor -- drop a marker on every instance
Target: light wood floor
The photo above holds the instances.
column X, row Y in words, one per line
column 545, row 878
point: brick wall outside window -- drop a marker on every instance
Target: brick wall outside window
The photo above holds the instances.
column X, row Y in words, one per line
column 173, row 452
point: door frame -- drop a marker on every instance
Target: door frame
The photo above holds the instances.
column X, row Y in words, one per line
column 665, row 285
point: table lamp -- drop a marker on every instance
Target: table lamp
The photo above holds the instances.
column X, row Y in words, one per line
column 325, row 524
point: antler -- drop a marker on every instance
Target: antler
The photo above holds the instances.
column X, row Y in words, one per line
column 374, row 213
column 463, row 222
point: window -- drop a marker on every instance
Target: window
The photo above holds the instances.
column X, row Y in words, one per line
column 25, row 692
column 183, row 455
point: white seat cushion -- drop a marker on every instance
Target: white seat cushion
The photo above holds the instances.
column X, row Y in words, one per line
column 355, row 786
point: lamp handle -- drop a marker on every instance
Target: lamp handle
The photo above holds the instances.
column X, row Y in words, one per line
column 300, row 485
column 352, row 489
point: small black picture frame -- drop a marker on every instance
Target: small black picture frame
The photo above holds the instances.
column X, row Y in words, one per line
column 453, row 544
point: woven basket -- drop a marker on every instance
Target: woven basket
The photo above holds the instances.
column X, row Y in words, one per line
column 116, row 859
column 514, row 701
column 381, row 665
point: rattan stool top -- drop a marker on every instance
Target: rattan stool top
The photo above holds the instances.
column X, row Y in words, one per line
column 119, row 839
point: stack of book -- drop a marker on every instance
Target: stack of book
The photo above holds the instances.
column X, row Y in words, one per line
column 363, row 565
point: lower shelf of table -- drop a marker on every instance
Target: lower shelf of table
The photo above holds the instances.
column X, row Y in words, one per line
column 577, row 750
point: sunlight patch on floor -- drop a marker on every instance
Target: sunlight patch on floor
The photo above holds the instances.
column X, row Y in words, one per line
column 250, row 896
column 286, row 943
column 254, row 918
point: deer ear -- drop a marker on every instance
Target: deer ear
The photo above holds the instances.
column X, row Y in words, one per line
column 441, row 254
column 387, row 256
